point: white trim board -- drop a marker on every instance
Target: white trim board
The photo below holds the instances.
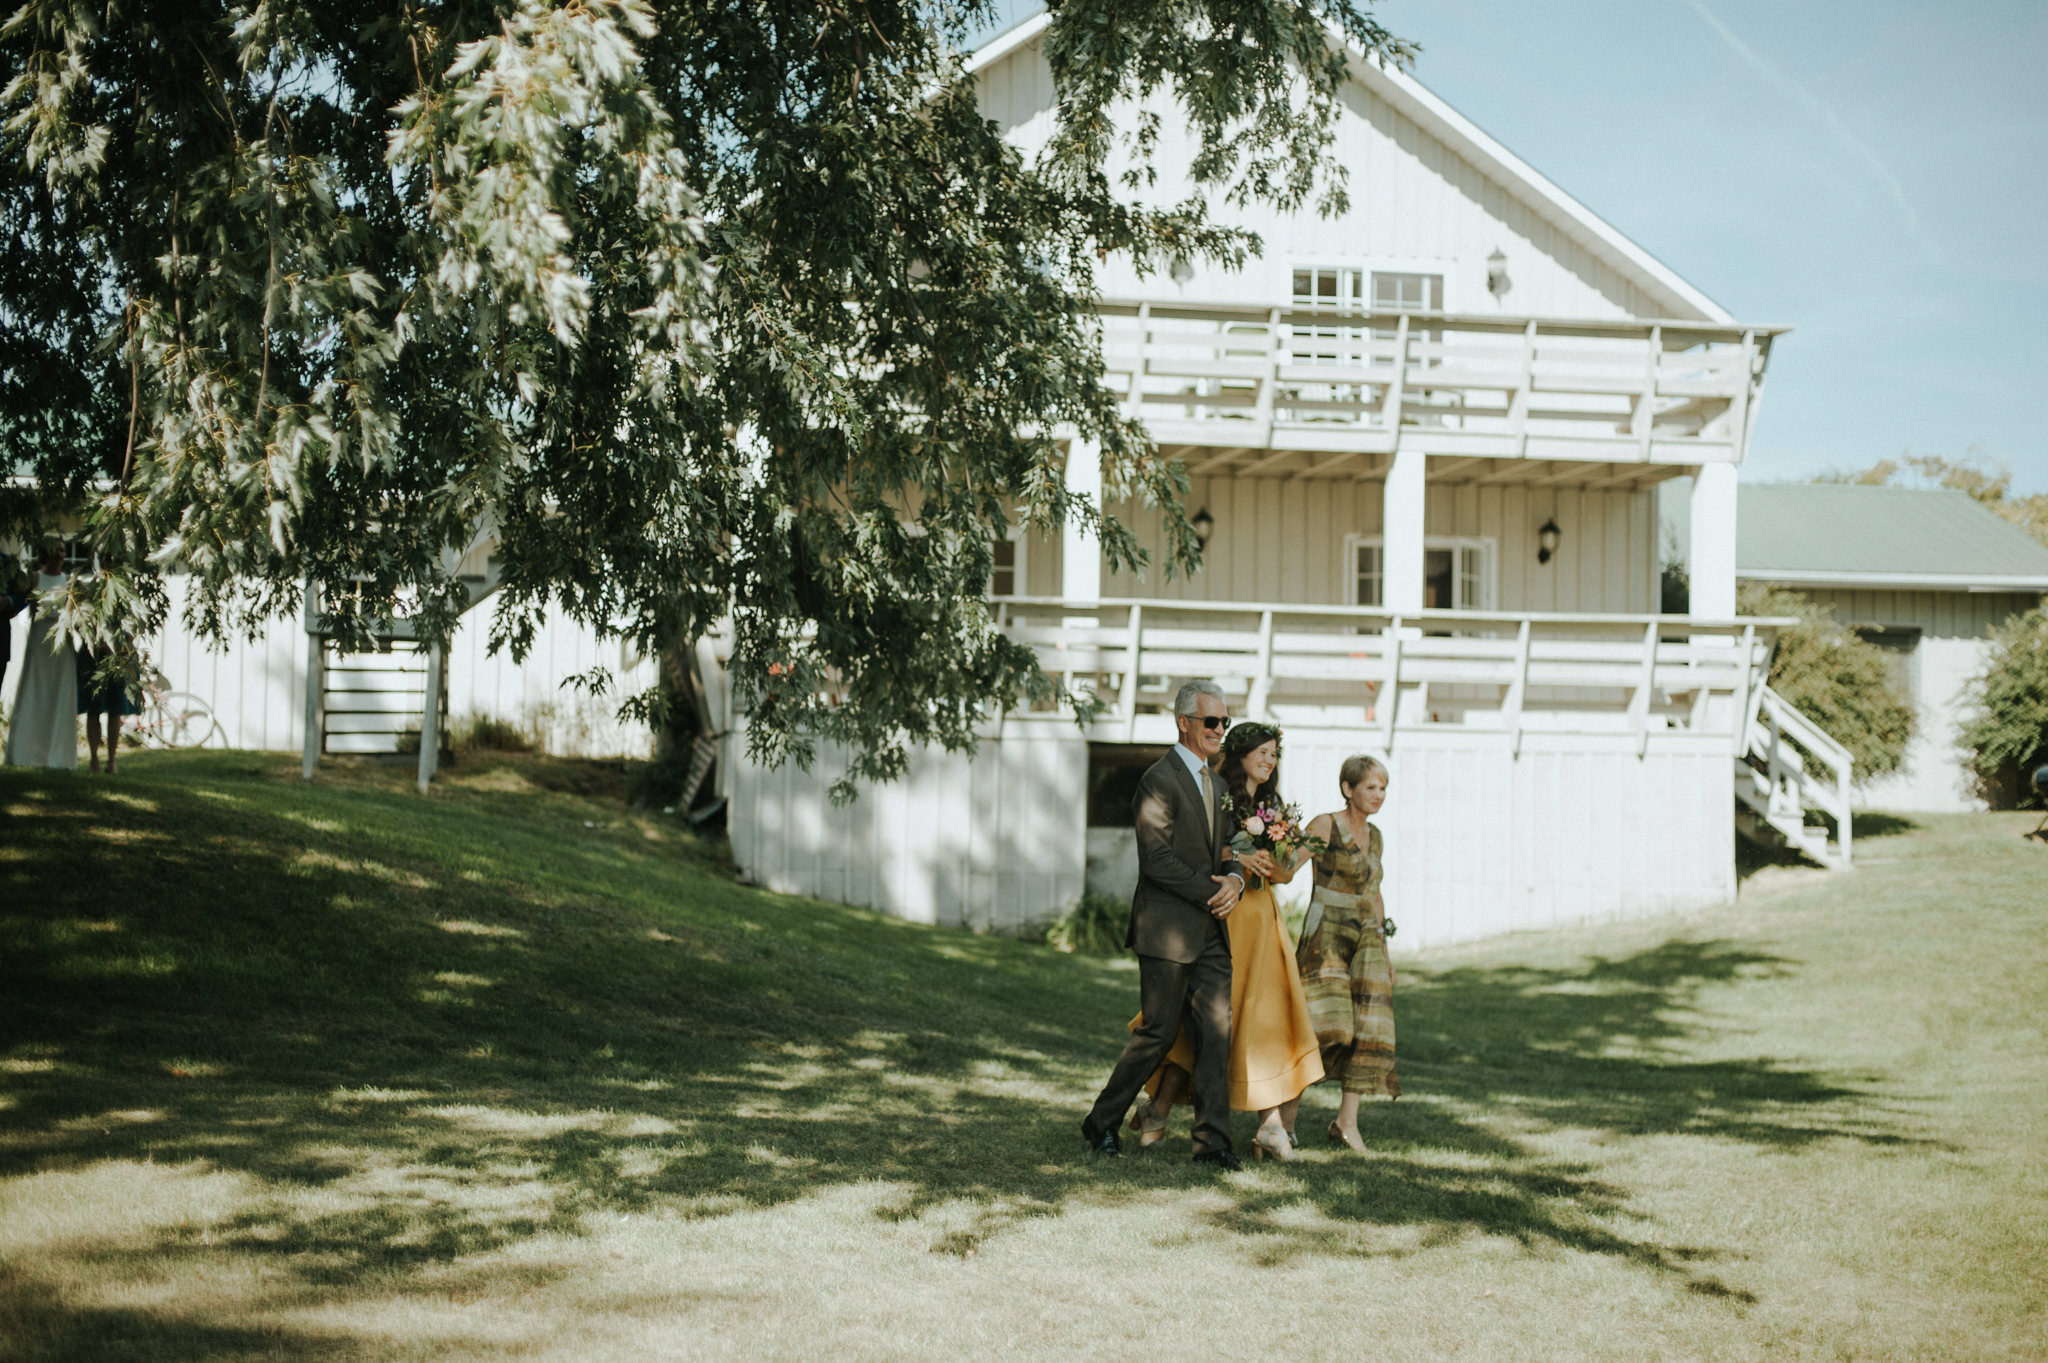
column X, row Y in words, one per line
column 1905, row 582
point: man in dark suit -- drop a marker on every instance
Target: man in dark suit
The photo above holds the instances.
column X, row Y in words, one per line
column 1187, row 886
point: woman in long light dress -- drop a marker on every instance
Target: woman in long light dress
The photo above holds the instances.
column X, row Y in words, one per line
column 1273, row 1050
column 42, row 728
column 1343, row 955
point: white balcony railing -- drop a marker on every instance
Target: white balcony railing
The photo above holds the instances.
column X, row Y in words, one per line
column 1628, row 676
column 1353, row 383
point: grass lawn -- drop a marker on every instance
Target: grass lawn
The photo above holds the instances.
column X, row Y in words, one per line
column 336, row 1072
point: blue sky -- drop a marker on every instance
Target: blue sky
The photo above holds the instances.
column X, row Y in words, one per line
column 1872, row 174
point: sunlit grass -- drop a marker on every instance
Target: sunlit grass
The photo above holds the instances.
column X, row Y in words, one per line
column 339, row 1072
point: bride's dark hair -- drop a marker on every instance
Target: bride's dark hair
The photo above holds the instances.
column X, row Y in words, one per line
column 1241, row 740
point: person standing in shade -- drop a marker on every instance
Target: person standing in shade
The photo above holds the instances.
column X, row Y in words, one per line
column 102, row 697
column 1187, row 886
column 1343, row 959
column 14, row 599
column 42, row 730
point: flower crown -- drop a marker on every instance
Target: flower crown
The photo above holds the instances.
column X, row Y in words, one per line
column 1242, row 738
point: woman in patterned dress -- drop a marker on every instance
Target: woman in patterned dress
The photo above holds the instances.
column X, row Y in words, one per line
column 1343, row 953
column 1273, row 1047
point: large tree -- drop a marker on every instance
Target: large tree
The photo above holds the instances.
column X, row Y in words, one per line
column 736, row 309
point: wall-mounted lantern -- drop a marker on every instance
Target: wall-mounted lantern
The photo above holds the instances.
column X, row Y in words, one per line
column 1546, row 541
column 1205, row 526
column 1182, row 272
column 1497, row 281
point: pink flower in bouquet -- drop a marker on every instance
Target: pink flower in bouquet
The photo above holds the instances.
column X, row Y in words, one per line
column 1255, row 825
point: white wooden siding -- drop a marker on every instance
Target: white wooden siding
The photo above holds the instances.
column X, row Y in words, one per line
column 255, row 687
column 1416, row 207
column 1478, row 842
column 1938, row 615
column 991, row 842
column 1283, row 541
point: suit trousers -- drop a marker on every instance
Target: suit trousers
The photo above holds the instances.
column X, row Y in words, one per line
column 1170, row 992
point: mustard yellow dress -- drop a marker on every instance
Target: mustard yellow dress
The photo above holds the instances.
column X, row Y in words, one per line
column 1273, row 1049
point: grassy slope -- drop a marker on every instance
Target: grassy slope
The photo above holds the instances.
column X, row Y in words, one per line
column 337, row 1072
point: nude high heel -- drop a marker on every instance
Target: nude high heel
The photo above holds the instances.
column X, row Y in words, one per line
column 1349, row 1140
column 1272, row 1143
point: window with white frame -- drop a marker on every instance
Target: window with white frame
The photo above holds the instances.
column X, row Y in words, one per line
column 1457, row 572
column 1395, row 292
column 1006, row 578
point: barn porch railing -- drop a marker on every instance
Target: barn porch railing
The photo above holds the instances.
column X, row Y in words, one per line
column 1353, row 382
column 1628, row 677
column 1791, row 765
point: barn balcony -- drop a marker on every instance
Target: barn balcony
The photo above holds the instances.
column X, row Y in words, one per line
column 1302, row 392
column 1510, row 678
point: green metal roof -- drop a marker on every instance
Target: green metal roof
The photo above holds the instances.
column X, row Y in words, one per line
column 1856, row 534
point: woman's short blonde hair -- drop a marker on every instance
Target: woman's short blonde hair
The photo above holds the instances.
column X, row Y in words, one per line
column 1356, row 768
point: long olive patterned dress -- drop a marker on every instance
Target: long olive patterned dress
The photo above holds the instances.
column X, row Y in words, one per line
column 1344, row 968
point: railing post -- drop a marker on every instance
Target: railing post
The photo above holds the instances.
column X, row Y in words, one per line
column 1518, row 690
column 430, row 715
column 1646, row 403
column 1134, row 399
column 1845, row 817
column 1518, row 405
column 1390, row 698
column 1134, row 659
column 1390, row 405
column 1262, row 684
column 1639, row 703
column 316, row 682
column 1270, row 384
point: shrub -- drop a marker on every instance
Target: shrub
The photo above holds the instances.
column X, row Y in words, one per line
column 1093, row 927
column 1837, row 680
column 480, row 731
column 2007, row 736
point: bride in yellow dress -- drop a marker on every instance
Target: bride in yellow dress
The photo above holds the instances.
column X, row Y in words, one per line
column 1274, row 1055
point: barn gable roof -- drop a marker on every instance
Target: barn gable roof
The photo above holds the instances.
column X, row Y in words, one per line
column 1427, row 111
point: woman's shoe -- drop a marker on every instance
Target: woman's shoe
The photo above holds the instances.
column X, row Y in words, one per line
column 1146, row 1121
column 1349, row 1139
column 1272, row 1143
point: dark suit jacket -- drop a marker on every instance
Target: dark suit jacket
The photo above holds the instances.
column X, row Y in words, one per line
column 1176, row 856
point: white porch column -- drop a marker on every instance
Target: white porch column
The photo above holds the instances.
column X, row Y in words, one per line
column 1712, row 565
column 1080, row 554
column 1401, row 533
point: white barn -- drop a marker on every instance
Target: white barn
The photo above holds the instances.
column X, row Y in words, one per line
column 1426, row 436
column 1926, row 575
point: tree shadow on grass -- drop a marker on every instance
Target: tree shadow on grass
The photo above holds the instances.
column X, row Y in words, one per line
column 467, row 1034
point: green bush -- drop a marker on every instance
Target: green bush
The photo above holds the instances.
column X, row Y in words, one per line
column 1837, row 680
column 1093, row 927
column 480, row 731
column 2007, row 736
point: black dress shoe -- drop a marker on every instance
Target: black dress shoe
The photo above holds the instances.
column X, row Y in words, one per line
column 1226, row 1160
column 1103, row 1143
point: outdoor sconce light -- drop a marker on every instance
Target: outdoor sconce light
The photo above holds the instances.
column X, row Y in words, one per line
column 1205, row 526
column 1546, row 541
column 1182, row 272
column 1497, row 282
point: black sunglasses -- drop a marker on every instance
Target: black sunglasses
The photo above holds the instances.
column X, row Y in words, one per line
column 1216, row 722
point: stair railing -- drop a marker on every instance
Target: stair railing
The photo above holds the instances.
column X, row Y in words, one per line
column 1773, row 734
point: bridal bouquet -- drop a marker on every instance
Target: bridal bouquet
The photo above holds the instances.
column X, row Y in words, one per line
column 1273, row 826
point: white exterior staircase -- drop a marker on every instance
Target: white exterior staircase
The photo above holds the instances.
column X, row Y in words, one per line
column 1776, row 783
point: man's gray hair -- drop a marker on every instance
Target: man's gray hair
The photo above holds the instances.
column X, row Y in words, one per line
column 1184, row 700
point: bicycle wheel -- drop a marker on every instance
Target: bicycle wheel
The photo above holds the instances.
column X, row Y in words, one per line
column 185, row 721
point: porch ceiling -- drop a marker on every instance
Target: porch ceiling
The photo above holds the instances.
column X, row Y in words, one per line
column 1444, row 470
